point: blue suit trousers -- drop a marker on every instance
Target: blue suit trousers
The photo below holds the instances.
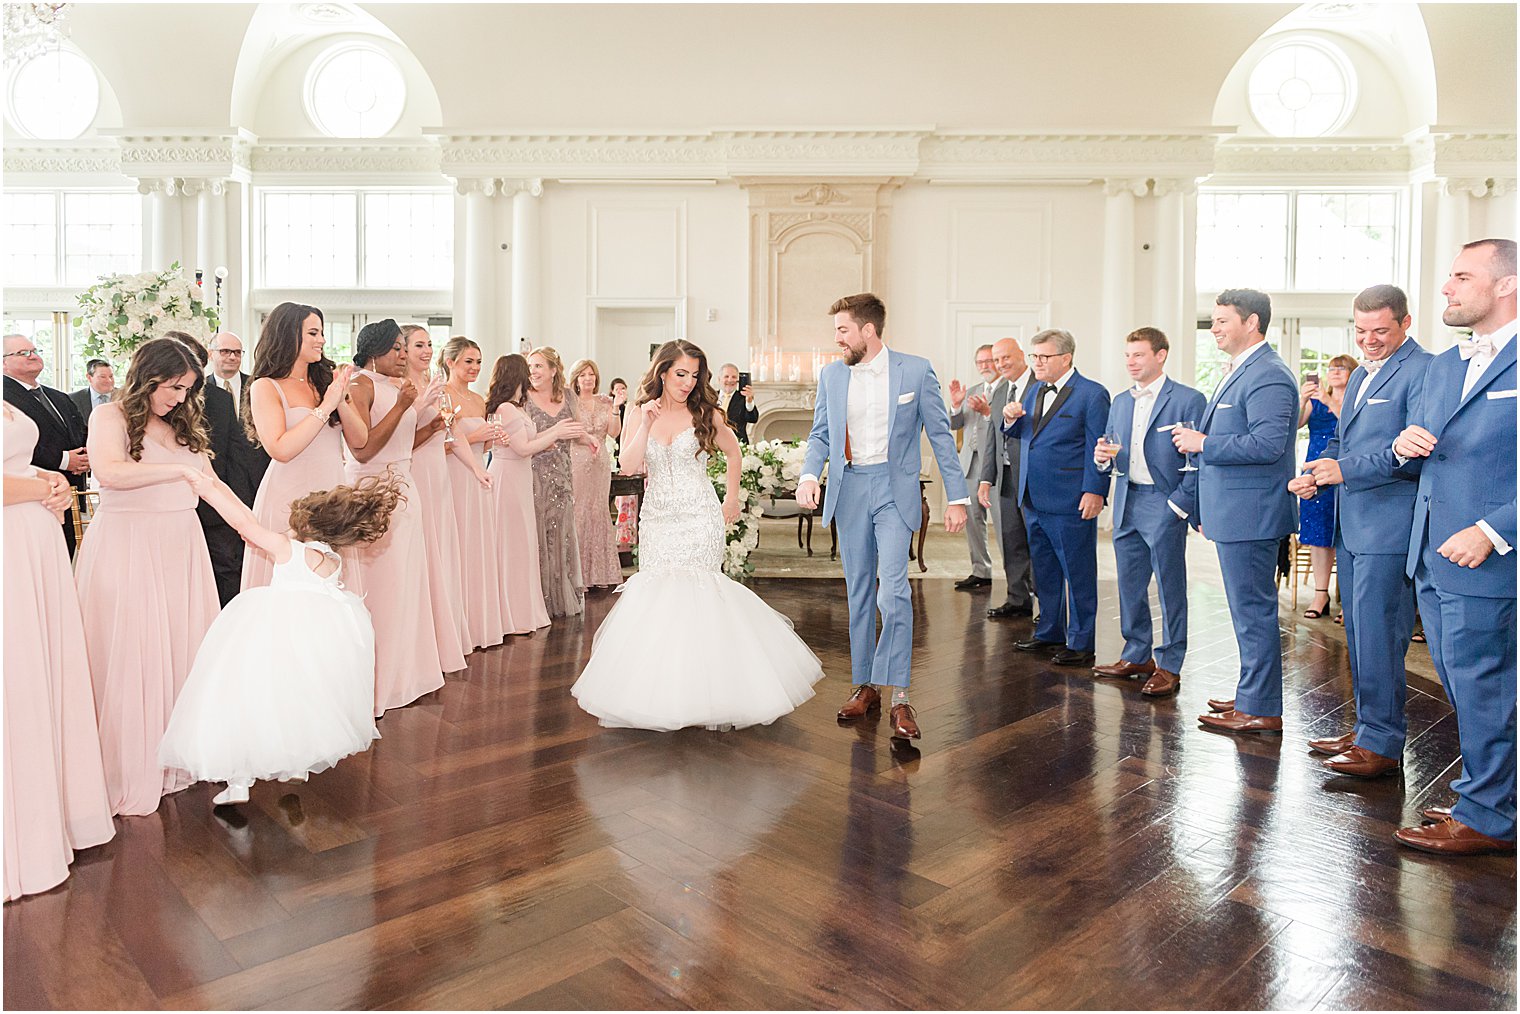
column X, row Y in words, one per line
column 1378, row 605
column 1151, row 539
column 873, row 549
column 1250, row 586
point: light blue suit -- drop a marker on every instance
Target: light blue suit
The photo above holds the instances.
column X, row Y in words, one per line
column 1149, row 537
column 1245, row 508
column 1377, row 501
column 1469, row 613
column 879, row 507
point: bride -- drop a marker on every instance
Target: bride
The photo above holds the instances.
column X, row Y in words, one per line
column 685, row 645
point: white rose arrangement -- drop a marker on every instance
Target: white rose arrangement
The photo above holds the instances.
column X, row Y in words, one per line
column 120, row 312
column 768, row 469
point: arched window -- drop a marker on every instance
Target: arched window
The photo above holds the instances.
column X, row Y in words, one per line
column 54, row 96
column 355, row 90
column 1302, row 88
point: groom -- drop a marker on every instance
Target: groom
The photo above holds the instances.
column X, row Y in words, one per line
column 871, row 411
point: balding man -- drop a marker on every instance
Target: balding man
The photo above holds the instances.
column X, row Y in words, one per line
column 973, row 425
column 1000, row 469
column 226, row 372
column 60, row 427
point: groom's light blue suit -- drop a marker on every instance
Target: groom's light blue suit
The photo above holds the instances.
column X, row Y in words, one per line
column 879, row 507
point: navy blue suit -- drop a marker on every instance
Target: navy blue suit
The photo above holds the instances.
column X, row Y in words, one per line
column 1055, row 469
column 1245, row 508
column 1469, row 613
column 1376, row 499
column 1150, row 537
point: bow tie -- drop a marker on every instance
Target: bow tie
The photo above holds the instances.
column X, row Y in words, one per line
column 1046, row 389
column 1139, row 392
column 1475, row 346
column 1373, row 365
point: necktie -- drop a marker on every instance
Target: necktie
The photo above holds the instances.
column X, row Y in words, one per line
column 1039, row 406
column 51, row 409
column 1475, row 346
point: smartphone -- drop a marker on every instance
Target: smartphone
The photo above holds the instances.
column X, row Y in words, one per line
column 743, row 379
column 1311, row 378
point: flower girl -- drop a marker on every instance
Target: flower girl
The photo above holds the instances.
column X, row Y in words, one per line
column 284, row 683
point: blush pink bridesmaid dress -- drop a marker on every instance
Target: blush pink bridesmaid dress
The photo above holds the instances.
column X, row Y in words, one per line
column 430, row 473
column 479, row 546
column 394, row 572
column 55, row 785
column 517, row 524
column 147, row 595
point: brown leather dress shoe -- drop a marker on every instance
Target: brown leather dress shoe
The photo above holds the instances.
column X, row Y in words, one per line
column 1124, row 670
column 1361, row 762
column 904, row 722
column 863, row 699
column 1162, row 684
column 1436, row 812
column 1335, row 746
column 1451, row 837
column 1239, row 721
column 1216, row 704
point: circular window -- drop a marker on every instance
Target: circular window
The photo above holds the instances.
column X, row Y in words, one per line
column 1302, row 89
column 355, row 91
column 54, row 96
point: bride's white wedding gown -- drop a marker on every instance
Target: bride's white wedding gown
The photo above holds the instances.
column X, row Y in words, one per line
column 685, row 645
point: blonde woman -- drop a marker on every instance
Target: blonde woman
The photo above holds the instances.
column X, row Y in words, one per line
column 559, row 557
column 591, row 477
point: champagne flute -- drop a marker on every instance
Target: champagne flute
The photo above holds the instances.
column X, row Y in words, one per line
column 1111, row 440
column 446, row 411
column 1187, row 459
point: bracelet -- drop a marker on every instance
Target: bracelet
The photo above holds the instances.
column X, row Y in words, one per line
column 319, row 415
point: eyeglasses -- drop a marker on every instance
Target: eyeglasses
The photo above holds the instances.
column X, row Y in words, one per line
column 228, row 352
column 1042, row 358
column 24, row 353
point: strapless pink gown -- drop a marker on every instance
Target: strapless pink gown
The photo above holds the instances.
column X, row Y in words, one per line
column 394, row 571
column 479, row 547
column 430, row 473
column 517, row 524
column 147, row 595
column 55, row 786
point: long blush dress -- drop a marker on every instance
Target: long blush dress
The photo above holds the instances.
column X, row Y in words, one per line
column 55, row 786
column 517, row 524
column 148, row 596
column 430, row 474
column 591, row 476
column 393, row 569
column 559, row 559
column 479, row 547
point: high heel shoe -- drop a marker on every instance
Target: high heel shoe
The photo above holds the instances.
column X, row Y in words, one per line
column 1312, row 613
column 234, row 793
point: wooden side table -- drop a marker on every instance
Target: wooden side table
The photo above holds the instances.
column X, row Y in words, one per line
column 627, row 485
column 923, row 528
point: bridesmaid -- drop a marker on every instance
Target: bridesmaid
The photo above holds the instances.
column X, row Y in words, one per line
column 55, row 786
column 298, row 401
column 393, row 568
column 512, row 475
column 559, row 559
column 591, row 476
column 146, row 590
column 430, row 474
column 474, row 508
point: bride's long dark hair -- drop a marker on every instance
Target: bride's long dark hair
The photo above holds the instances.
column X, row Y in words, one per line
column 703, row 400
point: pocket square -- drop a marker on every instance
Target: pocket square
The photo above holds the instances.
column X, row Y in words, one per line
column 1496, row 395
column 1167, row 428
column 1224, row 404
column 903, row 399
column 1377, row 401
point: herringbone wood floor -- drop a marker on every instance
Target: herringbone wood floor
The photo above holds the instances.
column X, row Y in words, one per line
column 1059, row 842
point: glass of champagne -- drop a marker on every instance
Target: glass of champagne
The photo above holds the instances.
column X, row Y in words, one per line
column 1187, row 459
column 446, row 411
column 1111, row 441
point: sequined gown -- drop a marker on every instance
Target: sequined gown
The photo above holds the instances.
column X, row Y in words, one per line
column 685, row 645
column 559, row 557
column 591, row 472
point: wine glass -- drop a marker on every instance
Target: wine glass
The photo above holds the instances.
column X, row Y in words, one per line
column 1187, row 459
column 1113, row 442
column 447, row 410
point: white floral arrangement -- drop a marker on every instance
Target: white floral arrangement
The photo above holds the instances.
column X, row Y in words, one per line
column 769, row 469
column 121, row 312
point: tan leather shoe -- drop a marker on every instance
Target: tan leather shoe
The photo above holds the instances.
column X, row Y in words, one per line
column 863, row 699
column 1361, row 762
column 1239, row 721
column 1162, row 683
column 904, row 722
column 1451, row 837
column 1335, row 746
column 1216, row 704
column 1124, row 670
column 1436, row 812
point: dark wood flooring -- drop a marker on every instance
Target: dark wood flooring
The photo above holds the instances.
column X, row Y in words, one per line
column 1058, row 842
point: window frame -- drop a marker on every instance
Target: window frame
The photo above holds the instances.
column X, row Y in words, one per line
column 60, row 197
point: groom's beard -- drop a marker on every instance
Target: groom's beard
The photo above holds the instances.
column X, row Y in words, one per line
column 853, row 355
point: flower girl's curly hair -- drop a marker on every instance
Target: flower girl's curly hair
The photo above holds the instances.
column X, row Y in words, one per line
column 348, row 515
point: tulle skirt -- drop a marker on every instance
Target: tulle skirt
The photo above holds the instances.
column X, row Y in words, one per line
column 688, row 647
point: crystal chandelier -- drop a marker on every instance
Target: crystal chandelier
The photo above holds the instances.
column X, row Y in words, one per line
column 32, row 29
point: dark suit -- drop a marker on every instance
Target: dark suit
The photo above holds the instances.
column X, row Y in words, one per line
column 58, row 432
column 1055, row 470
column 84, row 400
column 1000, row 467
column 252, row 459
column 740, row 417
column 231, row 458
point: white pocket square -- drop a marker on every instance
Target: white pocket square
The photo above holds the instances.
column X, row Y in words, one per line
column 1377, row 401
column 903, row 399
column 1496, row 395
column 1167, row 428
column 1224, row 404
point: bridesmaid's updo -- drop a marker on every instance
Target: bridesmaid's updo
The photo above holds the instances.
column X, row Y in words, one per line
column 375, row 339
column 509, row 383
column 451, row 350
column 348, row 515
column 155, row 362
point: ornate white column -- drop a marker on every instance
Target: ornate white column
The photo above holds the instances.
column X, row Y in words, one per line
column 476, row 300
column 1171, row 287
column 1452, row 229
column 210, row 230
column 527, row 264
column 163, row 221
column 1118, row 294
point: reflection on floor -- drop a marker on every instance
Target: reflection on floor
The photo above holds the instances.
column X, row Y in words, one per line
column 1059, row 841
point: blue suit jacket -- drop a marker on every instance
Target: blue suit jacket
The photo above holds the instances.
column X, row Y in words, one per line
column 1174, row 403
column 1249, row 457
column 1471, row 473
column 1377, row 493
column 914, row 406
column 1055, row 464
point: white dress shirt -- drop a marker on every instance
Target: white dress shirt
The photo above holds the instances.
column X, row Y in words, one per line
column 1048, row 396
column 1476, row 366
column 1145, row 403
column 866, row 410
column 233, row 386
column 1238, row 361
column 64, row 464
column 1361, row 392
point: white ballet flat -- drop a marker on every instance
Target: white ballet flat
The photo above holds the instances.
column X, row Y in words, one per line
column 232, row 794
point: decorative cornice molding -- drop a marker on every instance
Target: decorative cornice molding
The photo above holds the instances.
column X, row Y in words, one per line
column 187, row 156
column 1279, row 157
column 80, row 157
column 348, row 157
column 1134, row 186
column 1012, row 157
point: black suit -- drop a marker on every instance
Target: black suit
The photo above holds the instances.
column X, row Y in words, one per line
column 253, row 459
column 232, row 456
column 84, row 400
column 58, row 432
column 739, row 417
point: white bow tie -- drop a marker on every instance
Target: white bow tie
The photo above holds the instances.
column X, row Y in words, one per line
column 1140, row 392
column 1373, row 365
column 1475, row 346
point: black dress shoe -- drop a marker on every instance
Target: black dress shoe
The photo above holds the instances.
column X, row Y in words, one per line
column 1035, row 644
column 967, row 583
column 1008, row 609
column 1069, row 657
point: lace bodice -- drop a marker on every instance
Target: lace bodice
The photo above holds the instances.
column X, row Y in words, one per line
column 681, row 518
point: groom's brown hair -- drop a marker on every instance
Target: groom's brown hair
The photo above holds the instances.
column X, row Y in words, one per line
column 864, row 308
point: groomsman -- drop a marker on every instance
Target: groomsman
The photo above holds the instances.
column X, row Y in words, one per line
column 1062, row 493
column 737, row 405
column 1153, row 498
column 1000, row 468
column 1376, row 501
column 1461, row 546
column 226, row 373
column 973, row 449
column 60, row 427
column 1245, row 459
column 99, row 383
